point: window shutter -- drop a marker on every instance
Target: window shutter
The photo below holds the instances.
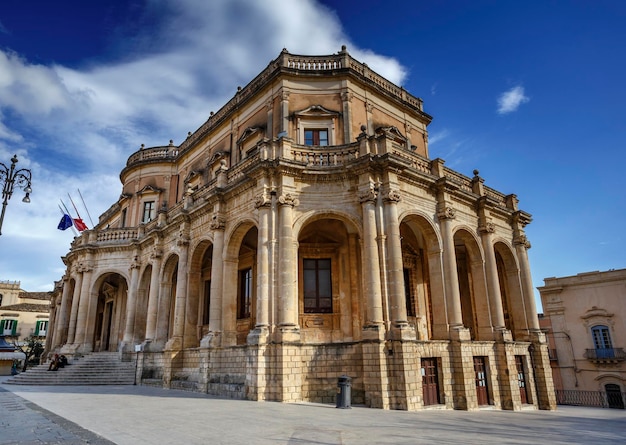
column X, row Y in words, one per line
column 14, row 331
column 2, row 322
column 37, row 328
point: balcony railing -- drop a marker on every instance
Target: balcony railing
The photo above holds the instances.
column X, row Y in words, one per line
column 605, row 354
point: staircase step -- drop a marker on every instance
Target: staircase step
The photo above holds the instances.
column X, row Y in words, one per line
column 100, row 368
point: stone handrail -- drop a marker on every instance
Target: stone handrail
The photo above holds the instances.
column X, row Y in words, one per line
column 123, row 234
column 152, row 153
column 325, row 156
column 462, row 181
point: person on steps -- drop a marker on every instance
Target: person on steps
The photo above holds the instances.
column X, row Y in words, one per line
column 54, row 364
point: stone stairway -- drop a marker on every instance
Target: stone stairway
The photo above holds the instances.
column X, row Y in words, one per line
column 98, row 368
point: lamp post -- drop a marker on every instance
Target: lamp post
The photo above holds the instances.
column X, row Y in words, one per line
column 11, row 178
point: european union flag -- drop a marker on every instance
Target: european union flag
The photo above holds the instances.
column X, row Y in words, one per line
column 65, row 223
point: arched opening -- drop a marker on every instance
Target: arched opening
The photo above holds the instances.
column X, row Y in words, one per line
column 143, row 293
column 327, row 282
column 167, row 299
column 198, row 294
column 417, row 289
column 472, row 286
column 110, row 313
column 614, row 396
column 246, row 285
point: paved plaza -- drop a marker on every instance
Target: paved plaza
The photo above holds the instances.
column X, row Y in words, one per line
column 126, row 415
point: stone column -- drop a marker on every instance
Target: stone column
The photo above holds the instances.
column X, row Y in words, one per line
column 284, row 107
column 176, row 342
column 370, row 266
column 261, row 330
column 131, row 307
column 395, row 271
column 521, row 248
column 346, row 98
column 453, row 297
column 60, row 325
column 213, row 338
column 82, row 319
column 493, row 283
column 153, row 297
column 269, row 132
column 71, row 330
column 287, row 267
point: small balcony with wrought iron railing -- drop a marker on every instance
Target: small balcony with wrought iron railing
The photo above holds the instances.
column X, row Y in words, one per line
column 605, row 355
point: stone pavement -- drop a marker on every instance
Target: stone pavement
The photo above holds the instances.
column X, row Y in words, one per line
column 126, row 415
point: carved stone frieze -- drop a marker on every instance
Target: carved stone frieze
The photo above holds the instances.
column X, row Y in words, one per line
column 487, row 228
column 262, row 201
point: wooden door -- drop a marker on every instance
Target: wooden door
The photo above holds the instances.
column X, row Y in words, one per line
column 430, row 381
column 480, row 370
column 521, row 378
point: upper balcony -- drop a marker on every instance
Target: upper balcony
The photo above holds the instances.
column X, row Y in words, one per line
column 605, row 355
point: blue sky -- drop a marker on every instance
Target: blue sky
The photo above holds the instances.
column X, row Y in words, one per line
column 529, row 93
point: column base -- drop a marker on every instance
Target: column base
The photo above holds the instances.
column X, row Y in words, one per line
column 373, row 332
column 402, row 331
column 288, row 334
column 460, row 333
column 259, row 336
column 174, row 344
column 212, row 339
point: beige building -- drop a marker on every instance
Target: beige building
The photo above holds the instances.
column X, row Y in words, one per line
column 23, row 314
column 585, row 321
column 303, row 233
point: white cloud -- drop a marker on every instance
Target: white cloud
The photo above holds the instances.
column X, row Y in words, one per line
column 510, row 100
column 75, row 127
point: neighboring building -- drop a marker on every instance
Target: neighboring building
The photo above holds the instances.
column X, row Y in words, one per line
column 585, row 321
column 303, row 233
column 23, row 314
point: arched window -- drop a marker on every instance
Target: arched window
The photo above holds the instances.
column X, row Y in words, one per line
column 602, row 341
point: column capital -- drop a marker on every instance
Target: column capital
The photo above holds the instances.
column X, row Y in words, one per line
column 486, row 228
column 392, row 196
column 84, row 267
column 218, row 222
column 446, row 212
column 288, row 200
column 522, row 240
column 135, row 264
column 368, row 195
column 262, row 200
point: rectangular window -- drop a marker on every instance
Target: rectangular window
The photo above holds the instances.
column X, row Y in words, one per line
column 318, row 296
column 316, row 137
column 148, row 211
column 245, row 293
column 408, row 294
column 207, row 302
column 602, row 342
column 123, row 219
column 41, row 328
column 8, row 327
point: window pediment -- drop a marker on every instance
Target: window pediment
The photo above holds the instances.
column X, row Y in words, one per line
column 249, row 132
column 392, row 133
column 150, row 189
column 316, row 111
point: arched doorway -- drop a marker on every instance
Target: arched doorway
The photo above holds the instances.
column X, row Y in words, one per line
column 110, row 312
column 614, row 396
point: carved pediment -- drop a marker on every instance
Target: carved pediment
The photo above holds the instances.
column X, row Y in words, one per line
column 150, row 189
column 392, row 133
column 193, row 174
column 250, row 131
column 316, row 111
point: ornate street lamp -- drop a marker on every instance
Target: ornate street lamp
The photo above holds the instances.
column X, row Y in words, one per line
column 11, row 178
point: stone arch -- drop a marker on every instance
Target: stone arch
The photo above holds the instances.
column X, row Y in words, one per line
column 352, row 224
column 330, row 306
column 107, row 320
column 423, row 279
column 510, row 290
column 238, row 301
column 475, row 308
column 199, row 288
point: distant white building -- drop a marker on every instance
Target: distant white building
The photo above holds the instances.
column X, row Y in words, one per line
column 23, row 314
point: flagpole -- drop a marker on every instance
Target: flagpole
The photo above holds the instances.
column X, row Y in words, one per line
column 85, row 206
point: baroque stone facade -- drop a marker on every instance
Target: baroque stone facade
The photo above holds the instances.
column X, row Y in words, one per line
column 303, row 233
column 585, row 323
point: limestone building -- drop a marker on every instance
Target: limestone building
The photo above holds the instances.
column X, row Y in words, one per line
column 23, row 314
column 585, row 319
column 303, row 233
